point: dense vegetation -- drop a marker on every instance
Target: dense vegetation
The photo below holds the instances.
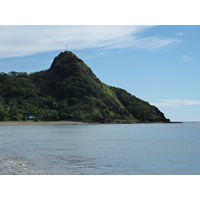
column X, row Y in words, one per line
column 70, row 91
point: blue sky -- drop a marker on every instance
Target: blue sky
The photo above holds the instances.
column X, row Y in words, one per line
column 159, row 64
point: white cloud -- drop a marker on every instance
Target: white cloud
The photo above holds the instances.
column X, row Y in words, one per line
column 176, row 102
column 26, row 40
column 186, row 58
column 180, row 33
column 164, row 104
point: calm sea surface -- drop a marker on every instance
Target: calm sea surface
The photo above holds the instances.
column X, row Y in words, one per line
column 101, row 149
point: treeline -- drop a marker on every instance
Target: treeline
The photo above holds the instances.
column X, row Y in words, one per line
column 20, row 98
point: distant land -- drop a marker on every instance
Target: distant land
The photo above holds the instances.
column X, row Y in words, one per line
column 70, row 91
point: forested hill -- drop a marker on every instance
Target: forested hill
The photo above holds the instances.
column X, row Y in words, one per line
column 69, row 90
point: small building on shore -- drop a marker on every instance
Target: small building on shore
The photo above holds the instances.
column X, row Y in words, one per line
column 30, row 117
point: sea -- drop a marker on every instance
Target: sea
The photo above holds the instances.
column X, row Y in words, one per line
column 101, row 149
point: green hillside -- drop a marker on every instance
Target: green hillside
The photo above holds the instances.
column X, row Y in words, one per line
column 69, row 90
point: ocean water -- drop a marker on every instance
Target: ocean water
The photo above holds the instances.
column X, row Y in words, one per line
column 101, row 149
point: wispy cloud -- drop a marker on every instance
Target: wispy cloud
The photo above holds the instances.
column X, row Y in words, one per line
column 175, row 102
column 27, row 40
column 186, row 58
column 152, row 43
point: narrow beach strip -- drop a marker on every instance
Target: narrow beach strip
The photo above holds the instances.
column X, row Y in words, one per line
column 20, row 123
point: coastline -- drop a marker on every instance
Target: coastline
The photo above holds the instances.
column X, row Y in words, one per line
column 24, row 123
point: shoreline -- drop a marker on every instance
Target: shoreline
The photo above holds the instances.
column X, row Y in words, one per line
column 24, row 123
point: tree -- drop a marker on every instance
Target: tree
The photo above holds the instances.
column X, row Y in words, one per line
column 3, row 115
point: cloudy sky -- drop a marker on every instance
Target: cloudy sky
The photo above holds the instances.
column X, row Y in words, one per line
column 159, row 64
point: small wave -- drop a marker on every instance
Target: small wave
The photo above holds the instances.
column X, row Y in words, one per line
column 16, row 166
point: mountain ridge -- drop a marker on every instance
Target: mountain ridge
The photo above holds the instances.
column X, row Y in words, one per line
column 69, row 90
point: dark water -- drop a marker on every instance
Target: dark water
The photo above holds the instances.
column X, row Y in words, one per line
column 101, row 149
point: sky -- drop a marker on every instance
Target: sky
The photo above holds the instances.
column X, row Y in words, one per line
column 158, row 64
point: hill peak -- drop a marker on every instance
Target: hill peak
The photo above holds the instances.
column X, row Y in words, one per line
column 66, row 64
column 69, row 56
column 64, row 58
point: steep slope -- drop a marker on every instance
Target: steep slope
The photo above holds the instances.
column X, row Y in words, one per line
column 86, row 98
